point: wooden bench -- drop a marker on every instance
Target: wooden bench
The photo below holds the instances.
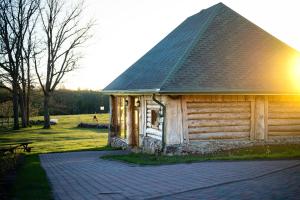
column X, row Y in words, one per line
column 11, row 149
column 24, row 146
column 14, row 146
column 8, row 152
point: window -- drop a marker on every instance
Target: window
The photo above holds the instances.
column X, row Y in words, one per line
column 155, row 119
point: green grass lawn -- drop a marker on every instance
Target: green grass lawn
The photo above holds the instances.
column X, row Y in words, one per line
column 250, row 153
column 31, row 181
column 61, row 137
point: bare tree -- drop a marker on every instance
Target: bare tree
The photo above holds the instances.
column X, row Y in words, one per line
column 64, row 35
column 29, row 50
column 15, row 17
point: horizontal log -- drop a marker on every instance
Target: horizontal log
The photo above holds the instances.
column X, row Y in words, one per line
column 284, row 110
column 289, row 128
column 280, row 133
column 219, row 129
column 284, row 104
column 154, row 107
column 154, row 136
column 153, row 131
column 217, row 98
column 284, row 98
column 219, row 135
column 217, row 104
column 201, row 98
column 278, row 122
column 160, row 127
column 219, row 116
column 150, row 101
column 218, row 110
column 284, row 115
column 218, row 122
column 288, row 105
column 159, row 121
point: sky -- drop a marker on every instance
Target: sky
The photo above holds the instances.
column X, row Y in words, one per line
column 126, row 29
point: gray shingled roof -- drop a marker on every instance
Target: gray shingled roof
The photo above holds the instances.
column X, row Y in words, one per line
column 214, row 51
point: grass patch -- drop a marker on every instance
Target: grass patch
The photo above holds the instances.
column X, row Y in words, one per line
column 31, row 182
column 249, row 153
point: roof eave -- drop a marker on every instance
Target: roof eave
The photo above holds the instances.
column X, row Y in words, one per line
column 203, row 92
column 131, row 92
column 233, row 92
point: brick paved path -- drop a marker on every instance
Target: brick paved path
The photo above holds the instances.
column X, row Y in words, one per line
column 82, row 175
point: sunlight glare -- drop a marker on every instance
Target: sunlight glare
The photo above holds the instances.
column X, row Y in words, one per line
column 295, row 71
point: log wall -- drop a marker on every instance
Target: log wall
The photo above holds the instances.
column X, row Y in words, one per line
column 218, row 117
column 283, row 117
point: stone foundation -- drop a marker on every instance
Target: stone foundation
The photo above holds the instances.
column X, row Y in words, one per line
column 151, row 145
column 118, row 142
column 206, row 147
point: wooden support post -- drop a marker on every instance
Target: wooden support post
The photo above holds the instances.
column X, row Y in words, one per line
column 185, row 129
column 252, row 120
column 143, row 116
column 173, row 121
column 266, row 117
column 113, row 125
column 129, row 120
column 260, row 126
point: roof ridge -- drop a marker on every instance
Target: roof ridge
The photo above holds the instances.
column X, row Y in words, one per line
column 214, row 8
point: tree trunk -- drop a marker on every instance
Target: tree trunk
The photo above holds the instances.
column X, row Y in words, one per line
column 28, row 107
column 28, row 98
column 15, row 105
column 46, row 111
column 23, row 109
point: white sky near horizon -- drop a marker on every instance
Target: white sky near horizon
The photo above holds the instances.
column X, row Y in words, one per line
column 127, row 29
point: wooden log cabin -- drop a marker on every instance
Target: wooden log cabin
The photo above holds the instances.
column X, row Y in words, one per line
column 215, row 82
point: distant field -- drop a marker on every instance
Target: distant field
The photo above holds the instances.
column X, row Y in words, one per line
column 65, row 136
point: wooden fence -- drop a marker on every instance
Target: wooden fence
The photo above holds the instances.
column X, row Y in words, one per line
column 6, row 122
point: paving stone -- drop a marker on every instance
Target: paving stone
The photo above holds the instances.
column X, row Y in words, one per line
column 83, row 175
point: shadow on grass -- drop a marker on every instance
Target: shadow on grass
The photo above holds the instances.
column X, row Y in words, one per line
column 6, row 140
column 104, row 148
column 41, row 130
column 21, row 130
column 95, row 130
column 31, row 181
